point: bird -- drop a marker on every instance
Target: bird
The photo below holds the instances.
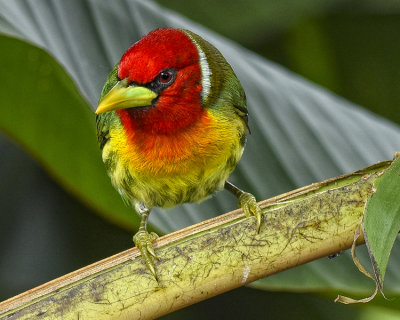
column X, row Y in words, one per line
column 172, row 123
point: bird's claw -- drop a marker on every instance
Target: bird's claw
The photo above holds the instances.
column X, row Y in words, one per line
column 250, row 207
column 144, row 241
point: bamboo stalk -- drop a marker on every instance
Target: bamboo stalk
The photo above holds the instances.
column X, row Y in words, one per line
column 209, row 258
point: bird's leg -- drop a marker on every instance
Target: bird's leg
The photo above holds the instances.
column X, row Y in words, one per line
column 144, row 240
column 247, row 202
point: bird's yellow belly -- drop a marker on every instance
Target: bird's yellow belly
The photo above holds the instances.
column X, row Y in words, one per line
column 168, row 171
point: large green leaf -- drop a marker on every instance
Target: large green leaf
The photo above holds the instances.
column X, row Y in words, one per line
column 300, row 132
column 354, row 53
column 43, row 110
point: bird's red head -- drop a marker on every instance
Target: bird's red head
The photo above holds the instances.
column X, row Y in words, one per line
column 167, row 62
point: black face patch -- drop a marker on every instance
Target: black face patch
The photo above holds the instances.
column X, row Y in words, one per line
column 162, row 81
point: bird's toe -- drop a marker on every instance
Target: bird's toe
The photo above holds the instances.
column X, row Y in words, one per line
column 250, row 207
column 144, row 242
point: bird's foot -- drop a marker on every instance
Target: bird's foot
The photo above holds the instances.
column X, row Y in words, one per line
column 250, row 207
column 144, row 241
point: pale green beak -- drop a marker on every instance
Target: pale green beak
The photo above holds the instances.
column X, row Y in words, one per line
column 123, row 96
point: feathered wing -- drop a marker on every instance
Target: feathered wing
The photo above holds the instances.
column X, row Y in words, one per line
column 103, row 129
column 243, row 114
column 103, row 120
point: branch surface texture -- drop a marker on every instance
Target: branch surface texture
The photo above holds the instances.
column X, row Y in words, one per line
column 209, row 258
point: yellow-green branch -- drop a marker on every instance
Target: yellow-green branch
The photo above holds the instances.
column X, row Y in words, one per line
column 209, row 258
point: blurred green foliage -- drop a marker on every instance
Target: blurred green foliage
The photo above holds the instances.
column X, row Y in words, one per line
column 349, row 47
column 65, row 133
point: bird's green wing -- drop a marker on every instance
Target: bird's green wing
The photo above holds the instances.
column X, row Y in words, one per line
column 104, row 120
column 243, row 114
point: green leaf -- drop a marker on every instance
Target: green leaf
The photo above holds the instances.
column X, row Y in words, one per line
column 382, row 219
column 43, row 110
column 337, row 45
column 300, row 132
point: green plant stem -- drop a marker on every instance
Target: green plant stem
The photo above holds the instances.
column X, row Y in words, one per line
column 209, row 258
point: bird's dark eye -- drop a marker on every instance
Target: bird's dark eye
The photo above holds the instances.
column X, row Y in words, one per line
column 163, row 80
column 166, row 77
